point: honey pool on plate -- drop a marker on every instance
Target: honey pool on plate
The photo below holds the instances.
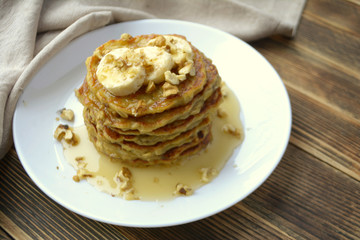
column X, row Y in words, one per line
column 158, row 183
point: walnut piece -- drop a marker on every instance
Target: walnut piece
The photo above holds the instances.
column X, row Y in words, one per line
column 82, row 174
column 182, row 189
column 228, row 128
column 224, row 90
column 139, row 104
column 169, row 89
column 174, row 79
column 125, row 36
column 80, row 158
column 207, row 174
column 64, row 132
column 76, row 178
column 188, row 68
column 221, row 113
column 150, row 87
column 122, row 114
column 124, row 178
column 159, row 41
column 67, row 114
column 80, row 162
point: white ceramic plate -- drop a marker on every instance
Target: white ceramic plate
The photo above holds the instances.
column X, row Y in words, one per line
column 266, row 115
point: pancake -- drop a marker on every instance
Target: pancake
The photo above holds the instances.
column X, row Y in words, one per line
column 153, row 102
column 145, row 127
column 117, row 152
column 158, row 148
column 165, row 133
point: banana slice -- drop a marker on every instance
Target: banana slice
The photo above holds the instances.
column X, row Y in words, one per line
column 124, row 70
column 157, row 62
column 121, row 71
column 180, row 49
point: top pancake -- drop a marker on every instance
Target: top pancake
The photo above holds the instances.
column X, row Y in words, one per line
column 148, row 123
column 141, row 103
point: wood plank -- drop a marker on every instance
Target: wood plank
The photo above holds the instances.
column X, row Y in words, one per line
column 310, row 195
column 355, row 2
column 325, row 97
column 338, row 13
column 325, row 103
column 234, row 223
column 312, row 76
column 328, row 45
column 11, row 228
column 330, row 136
column 33, row 213
column 4, row 235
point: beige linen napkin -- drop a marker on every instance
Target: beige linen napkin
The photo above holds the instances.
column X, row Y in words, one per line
column 31, row 32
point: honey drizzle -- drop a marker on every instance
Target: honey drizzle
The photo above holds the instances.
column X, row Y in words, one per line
column 158, row 183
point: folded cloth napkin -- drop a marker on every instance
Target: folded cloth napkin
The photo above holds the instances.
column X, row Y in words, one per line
column 31, row 32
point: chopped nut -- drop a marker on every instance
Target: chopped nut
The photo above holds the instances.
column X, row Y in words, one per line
column 138, row 105
column 125, row 173
column 122, row 114
column 83, row 173
column 159, row 41
column 228, row 128
column 207, row 174
column 125, row 36
column 148, row 68
column 173, row 78
column 150, row 87
column 130, row 195
column 221, row 113
column 79, row 158
column 188, row 68
column 76, row 178
column 224, row 91
column 67, row 114
column 66, row 133
column 119, row 63
column 149, row 101
column 80, row 162
column 124, row 177
column 169, row 89
column 183, row 190
column 181, row 77
column 192, row 71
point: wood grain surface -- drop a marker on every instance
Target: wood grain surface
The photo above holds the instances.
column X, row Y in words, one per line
column 314, row 193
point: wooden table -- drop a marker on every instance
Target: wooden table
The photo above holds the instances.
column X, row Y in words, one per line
column 315, row 191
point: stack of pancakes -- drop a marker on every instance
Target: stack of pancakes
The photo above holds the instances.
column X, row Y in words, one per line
column 147, row 128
